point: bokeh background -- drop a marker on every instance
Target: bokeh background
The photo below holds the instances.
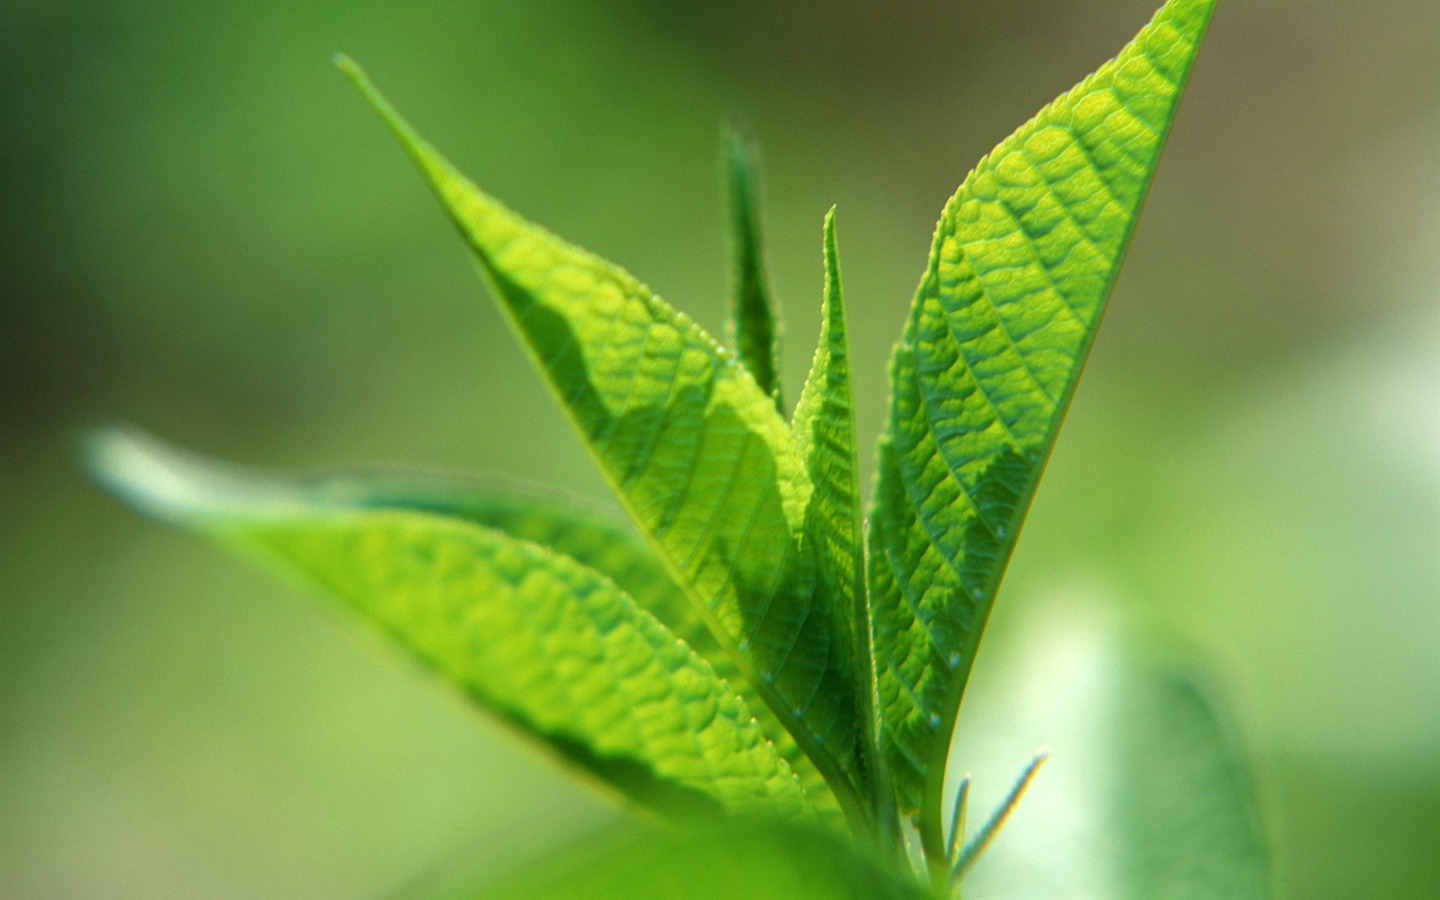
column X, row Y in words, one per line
column 206, row 233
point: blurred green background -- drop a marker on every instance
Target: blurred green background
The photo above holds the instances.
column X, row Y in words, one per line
column 207, row 234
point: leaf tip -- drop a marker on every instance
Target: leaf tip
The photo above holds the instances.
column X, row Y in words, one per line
column 735, row 136
column 434, row 168
column 352, row 71
column 378, row 102
column 134, row 466
column 982, row 839
column 170, row 484
column 356, row 75
column 832, row 252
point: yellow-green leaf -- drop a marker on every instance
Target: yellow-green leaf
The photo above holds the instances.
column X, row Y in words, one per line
column 571, row 527
column 550, row 646
column 824, row 428
column 693, row 447
column 1024, row 257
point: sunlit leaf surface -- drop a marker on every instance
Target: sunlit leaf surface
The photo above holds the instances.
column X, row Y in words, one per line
column 825, row 433
column 571, row 527
column 695, row 450
column 547, row 644
column 824, row 427
column 745, row 652
column 1024, row 257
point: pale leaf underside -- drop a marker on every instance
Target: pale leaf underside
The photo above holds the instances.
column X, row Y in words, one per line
column 1146, row 795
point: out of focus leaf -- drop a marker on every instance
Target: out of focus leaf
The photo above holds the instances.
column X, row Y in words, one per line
column 1183, row 809
column 744, row 860
column 1146, row 794
column 753, row 317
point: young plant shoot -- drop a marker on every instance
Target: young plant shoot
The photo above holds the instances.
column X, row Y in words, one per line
column 760, row 647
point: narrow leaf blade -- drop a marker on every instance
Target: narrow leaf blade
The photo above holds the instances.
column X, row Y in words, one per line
column 983, row 838
column 824, row 428
column 694, row 449
column 551, row 647
column 753, row 318
column 1025, row 255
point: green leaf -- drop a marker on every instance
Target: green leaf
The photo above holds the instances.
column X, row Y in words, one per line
column 741, row 859
column 571, row 527
column 1024, row 257
column 695, row 450
column 1183, row 808
column 588, row 536
column 753, row 319
column 1146, row 793
column 548, row 645
column 963, row 859
column 824, row 428
column 567, row 525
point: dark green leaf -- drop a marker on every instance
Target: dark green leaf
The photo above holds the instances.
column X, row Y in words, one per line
column 753, row 319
